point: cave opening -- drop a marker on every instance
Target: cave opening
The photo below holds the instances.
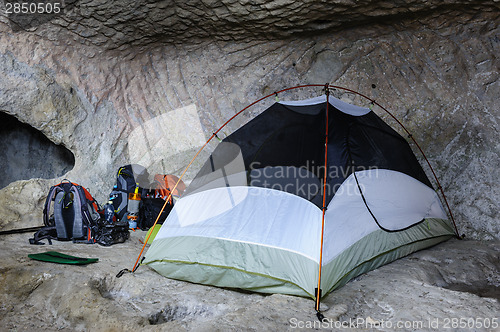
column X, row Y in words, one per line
column 26, row 153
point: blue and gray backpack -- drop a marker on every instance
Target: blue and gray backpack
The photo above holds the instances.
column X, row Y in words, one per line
column 70, row 213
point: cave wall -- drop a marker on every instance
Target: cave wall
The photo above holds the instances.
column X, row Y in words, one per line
column 131, row 83
column 25, row 153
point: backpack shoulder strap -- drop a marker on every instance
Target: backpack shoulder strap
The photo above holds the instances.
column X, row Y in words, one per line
column 48, row 202
column 90, row 199
column 60, row 225
column 80, row 208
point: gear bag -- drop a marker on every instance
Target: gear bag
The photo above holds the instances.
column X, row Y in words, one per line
column 108, row 234
column 150, row 210
column 70, row 213
column 128, row 178
column 154, row 199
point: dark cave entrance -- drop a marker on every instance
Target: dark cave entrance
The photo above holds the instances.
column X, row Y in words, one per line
column 26, row 153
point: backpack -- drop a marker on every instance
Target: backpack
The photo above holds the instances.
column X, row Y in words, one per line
column 70, row 213
column 127, row 179
column 153, row 200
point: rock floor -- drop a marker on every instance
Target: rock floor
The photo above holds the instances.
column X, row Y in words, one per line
column 453, row 285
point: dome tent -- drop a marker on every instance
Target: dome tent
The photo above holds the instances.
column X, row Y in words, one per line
column 276, row 210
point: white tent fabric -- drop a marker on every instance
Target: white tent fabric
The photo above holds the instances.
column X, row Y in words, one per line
column 259, row 216
column 396, row 200
column 265, row 216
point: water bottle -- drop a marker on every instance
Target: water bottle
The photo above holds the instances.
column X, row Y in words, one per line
column 134, row 199
column 109, row 212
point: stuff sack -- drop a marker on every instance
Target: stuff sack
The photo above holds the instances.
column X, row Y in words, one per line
column 127, row 179
column 109, row 234
column 70, row 213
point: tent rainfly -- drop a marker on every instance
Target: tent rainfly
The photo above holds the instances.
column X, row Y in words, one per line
column 275, row 209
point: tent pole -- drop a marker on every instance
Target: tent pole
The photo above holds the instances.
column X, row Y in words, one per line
column 318, row 290
column 417, row 145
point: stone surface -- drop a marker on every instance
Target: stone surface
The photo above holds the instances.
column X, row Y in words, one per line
column 95, row 77
column 428, row 286
column 127, row 23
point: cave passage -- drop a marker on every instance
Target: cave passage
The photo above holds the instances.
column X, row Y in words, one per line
column 26, row 153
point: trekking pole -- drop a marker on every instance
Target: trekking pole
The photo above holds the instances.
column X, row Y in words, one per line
column 21, row 230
